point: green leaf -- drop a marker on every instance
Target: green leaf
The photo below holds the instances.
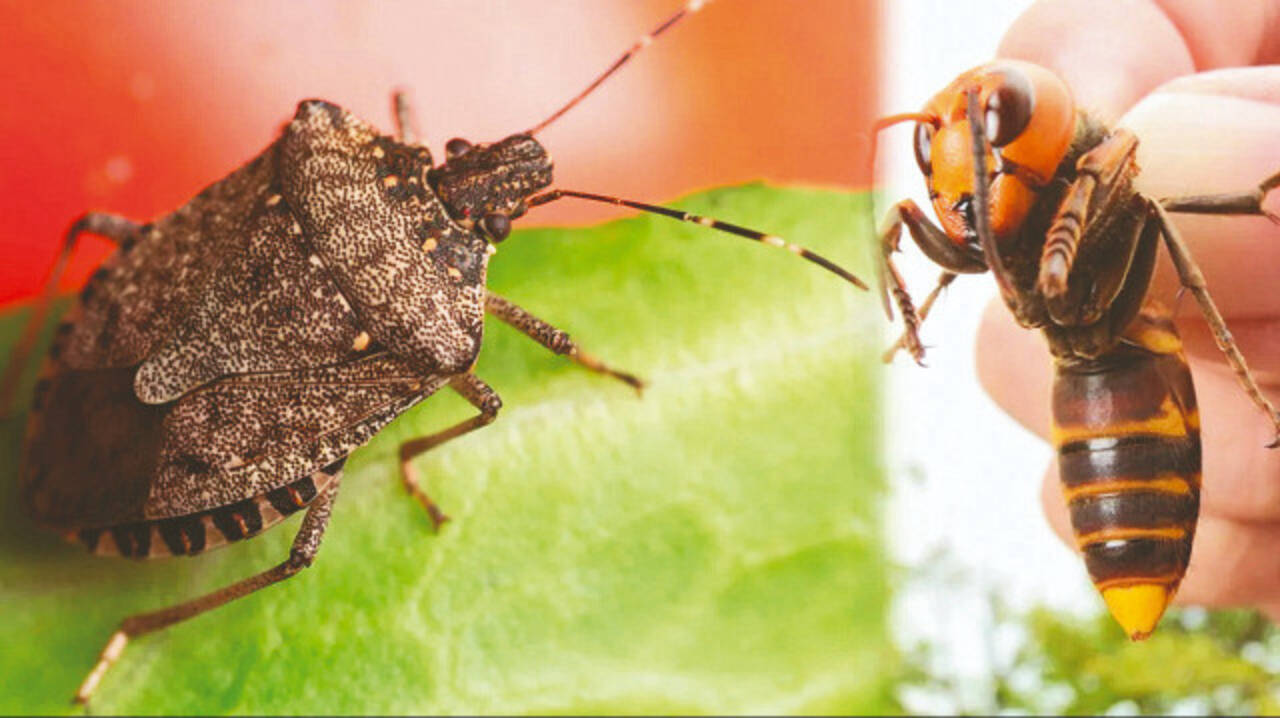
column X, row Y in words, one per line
column 714, row 546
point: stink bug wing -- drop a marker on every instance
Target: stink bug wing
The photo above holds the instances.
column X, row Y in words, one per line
column 413, row 275
column 272, row 307
column 98, row 457
column 241, row 311
column 141, row 292
column 246, row 435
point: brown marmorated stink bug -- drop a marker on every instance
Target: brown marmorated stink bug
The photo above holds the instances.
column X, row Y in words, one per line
column 222, row 364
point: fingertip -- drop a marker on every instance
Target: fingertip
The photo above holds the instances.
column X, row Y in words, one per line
column 1055, row 507
column 1257, row 83
column 1014, row 368
column 1091, row 44
column 1232, row 564
column 1207, row 133
column 1216, row 132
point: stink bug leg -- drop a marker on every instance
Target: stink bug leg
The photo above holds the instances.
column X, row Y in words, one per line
column 482, row 397
column 487, row 401
column 305, row 546
column 113, row 227
column 553, row 339
column 406, row 118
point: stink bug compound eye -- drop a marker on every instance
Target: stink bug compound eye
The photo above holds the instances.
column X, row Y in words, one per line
column 1040, row 193
column 223, row 363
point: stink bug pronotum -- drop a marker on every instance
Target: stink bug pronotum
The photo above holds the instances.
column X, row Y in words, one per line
column 227, row 358
column 1029, row 186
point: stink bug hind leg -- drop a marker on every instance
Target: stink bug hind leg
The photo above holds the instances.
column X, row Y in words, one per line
column 303, row 552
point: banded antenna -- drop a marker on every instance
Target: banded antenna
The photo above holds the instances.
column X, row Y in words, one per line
column 772, row 240
column 690, row 7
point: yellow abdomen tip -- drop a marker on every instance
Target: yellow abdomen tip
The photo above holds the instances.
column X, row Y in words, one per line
column 1137, row 608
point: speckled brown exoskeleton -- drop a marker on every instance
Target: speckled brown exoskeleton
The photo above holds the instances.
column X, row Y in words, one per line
column 225, row 360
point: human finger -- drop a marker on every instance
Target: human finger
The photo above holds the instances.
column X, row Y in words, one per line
column 1014, row 368
column 1091, row 44
column 1214, row 133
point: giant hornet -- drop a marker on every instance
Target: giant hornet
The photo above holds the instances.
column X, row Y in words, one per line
column 1041, row 193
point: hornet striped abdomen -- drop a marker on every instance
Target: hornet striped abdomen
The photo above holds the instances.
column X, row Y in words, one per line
column 1128, row 438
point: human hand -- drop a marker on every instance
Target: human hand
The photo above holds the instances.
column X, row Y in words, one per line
column 1216, row 131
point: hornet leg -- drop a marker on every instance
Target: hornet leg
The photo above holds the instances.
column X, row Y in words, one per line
column 1191, row 277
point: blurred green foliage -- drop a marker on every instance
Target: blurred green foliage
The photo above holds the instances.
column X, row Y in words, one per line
column 1194, row 663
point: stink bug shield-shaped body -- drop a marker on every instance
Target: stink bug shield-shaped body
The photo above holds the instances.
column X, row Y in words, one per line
column 227, row 358
column 1028, row 186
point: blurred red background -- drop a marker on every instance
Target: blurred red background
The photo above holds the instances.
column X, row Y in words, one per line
column 134, row 107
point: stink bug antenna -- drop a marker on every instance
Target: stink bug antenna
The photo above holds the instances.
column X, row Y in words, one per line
column 769, row 239
column 689, row 8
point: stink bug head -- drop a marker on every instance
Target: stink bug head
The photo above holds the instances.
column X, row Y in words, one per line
column 488, row 183
column 1029, row 120
column 485, row 186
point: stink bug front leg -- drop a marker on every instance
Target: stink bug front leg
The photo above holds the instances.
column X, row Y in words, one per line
column 553, row 339
column 484, row 398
